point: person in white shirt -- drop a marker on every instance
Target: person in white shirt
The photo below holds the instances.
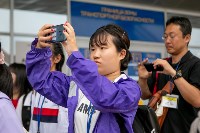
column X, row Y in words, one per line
column 48, row 117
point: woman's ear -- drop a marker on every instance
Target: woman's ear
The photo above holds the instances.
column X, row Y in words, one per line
column 122, row 54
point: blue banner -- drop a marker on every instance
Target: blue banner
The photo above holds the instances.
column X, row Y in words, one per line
column 138, row 57
column 141, row 25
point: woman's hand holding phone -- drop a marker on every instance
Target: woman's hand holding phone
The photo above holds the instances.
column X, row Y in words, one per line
column 70, row 45
column 63, row 33
column 42, row 36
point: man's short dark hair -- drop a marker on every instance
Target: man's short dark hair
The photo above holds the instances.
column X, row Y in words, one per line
column 183, row 22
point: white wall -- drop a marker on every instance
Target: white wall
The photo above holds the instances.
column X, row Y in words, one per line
column 5, row 43
column 30, row 22
column 5, row 28
column 195, row 37
column 5, row 20
column 26, row 25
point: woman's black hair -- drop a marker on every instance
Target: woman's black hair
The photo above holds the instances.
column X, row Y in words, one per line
column 58, row 50
column 120, row 40
column 21, row 78
column 6, row 81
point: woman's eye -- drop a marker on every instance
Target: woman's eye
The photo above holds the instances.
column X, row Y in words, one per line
column 102, row 48
column 92, row 49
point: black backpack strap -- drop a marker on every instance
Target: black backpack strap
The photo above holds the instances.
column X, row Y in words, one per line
column 121, row 123
column 26, row 114
column 24, row 98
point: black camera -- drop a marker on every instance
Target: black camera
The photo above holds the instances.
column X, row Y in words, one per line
column 150, row 68
column 58, row 35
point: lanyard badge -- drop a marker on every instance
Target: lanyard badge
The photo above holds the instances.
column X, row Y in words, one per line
column 170, row 101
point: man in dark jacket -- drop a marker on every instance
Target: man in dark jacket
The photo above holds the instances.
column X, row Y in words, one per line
column 182, row 69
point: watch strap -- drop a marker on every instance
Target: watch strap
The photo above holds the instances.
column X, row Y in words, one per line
column 178, row 75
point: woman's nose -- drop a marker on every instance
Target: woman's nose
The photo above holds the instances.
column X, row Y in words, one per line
column 96, row 53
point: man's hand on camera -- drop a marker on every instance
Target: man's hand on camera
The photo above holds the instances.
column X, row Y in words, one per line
column 167, row 68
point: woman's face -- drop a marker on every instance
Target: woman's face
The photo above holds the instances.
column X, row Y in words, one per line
column 14, row 78
column 106, row 57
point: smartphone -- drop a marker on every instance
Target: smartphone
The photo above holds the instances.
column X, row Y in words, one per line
column 58, row 35
column 150, row 68
column 0, row 47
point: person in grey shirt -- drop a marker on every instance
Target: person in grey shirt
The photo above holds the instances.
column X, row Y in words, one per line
column 9, row 122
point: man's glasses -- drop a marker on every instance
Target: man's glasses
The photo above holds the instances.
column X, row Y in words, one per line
column 171, row 36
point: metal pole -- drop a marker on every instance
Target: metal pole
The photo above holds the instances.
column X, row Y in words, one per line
column 11, row 31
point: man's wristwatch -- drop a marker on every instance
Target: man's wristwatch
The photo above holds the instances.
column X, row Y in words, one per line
column 178, row 75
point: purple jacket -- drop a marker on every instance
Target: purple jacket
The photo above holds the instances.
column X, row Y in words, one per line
column 9, row 122
column 121, row 97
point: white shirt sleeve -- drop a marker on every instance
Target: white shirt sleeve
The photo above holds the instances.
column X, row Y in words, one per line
column 19, row 108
